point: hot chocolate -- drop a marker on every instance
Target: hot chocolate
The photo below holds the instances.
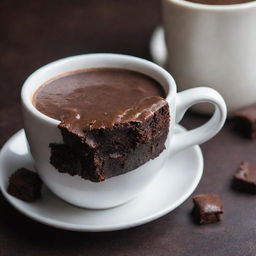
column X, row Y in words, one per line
column 98, row 98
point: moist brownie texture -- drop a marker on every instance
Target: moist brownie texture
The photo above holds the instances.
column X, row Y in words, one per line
column 96, row 153
column 25, row 185
column 207, row 208
column 245, row 178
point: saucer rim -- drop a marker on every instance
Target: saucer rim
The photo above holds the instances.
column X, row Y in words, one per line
column 103, row 228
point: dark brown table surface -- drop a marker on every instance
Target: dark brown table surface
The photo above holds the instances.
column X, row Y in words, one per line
column 33, row 33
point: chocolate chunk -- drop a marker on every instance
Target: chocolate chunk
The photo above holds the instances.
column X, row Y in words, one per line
column 207, row 208
column 245, row 121
column 25, row 185
column 245, row 178
column 100, row 153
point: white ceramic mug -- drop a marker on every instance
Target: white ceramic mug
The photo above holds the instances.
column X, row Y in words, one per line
column 213, row 45
column 42, row 130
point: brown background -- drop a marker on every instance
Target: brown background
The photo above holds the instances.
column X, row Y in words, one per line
column 33, row 33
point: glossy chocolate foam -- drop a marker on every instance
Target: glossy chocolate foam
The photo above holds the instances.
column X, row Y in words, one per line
column 99, row 98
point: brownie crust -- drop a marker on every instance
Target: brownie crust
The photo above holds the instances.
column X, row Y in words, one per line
column 106, row 152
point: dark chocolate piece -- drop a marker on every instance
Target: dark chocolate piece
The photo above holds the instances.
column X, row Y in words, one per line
column 25, row 185
column 207, row 208
column 245, row 178
column 245, row 121
column 99, row 154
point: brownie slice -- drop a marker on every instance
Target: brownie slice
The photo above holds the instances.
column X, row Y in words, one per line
column 245, row 121
column 25, row 185
column 245, row 178
column 100, row 153
column 207, row 208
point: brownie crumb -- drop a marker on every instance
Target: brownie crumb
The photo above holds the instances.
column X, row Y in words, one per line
column 245, row 121
column 25, row 185
column 245, row 178
column 207, row 208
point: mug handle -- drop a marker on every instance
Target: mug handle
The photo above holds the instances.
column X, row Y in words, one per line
column 184, row 101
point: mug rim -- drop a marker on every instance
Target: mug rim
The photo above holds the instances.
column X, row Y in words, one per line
column 211, row 7
column 26, row 97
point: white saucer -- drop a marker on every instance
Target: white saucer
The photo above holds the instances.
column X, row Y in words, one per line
column 174, row 184
column 157, row 47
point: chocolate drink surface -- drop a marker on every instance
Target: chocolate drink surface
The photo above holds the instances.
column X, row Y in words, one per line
column 220, row 2
column 96, row 98
column 112, row 121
